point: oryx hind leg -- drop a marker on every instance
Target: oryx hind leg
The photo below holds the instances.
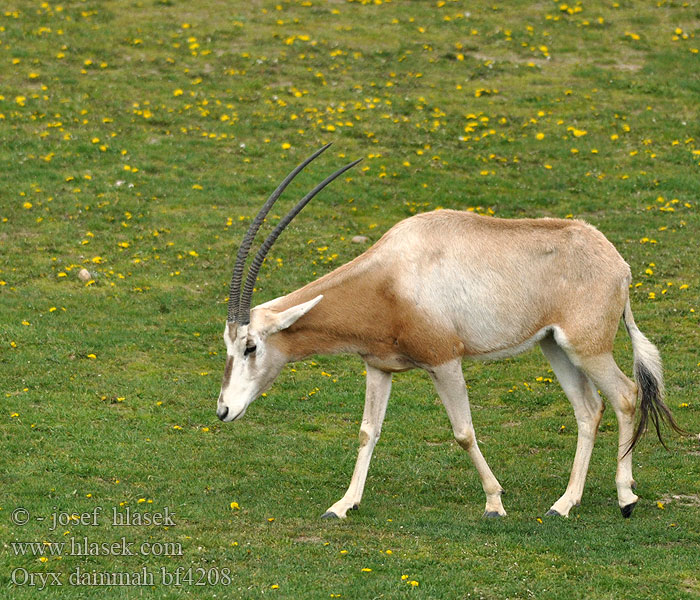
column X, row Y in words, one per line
column 621, row 392
column 378, row 388
column 449, row 383
column 588, row 409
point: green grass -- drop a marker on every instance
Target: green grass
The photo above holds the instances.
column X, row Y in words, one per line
column 137, row 138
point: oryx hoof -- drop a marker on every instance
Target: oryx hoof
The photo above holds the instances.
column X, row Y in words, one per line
column 329, row 514
column 552, row 513
column 627, row 510
column 492, row 514
column 354, row 507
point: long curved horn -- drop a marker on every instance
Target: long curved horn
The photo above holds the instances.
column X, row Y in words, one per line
column 246, row 296
column 237, row 278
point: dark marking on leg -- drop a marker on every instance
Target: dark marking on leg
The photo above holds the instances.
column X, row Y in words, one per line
column 552, row 513
column 492, row 514
column 329, row 515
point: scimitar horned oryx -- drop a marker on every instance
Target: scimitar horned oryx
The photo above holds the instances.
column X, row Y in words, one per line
column 441, row 286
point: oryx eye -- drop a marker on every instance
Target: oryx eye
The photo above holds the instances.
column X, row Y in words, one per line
column 249, row 350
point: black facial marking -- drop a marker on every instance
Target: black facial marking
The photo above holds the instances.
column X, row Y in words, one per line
column 249, row 350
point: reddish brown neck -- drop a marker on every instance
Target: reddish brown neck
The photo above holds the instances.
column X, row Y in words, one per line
column 361, row 313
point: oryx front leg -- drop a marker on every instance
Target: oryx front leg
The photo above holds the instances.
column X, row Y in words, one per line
column 376, row 398
column 449, row 382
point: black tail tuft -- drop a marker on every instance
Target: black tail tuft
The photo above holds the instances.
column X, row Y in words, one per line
column 652, row 407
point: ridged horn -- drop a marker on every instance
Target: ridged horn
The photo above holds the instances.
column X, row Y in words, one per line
column 246, row 296
column 237, row 277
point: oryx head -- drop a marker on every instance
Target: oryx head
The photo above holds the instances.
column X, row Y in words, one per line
column 252, row 364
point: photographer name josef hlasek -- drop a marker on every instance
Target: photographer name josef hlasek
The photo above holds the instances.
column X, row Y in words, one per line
column 120, row 518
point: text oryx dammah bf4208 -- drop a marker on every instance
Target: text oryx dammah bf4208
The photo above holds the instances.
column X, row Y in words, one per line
column 441, row 286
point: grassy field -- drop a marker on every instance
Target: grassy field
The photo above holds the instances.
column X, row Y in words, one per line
column 137, row 138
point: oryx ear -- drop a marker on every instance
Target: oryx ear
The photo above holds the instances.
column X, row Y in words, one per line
column 282, row 320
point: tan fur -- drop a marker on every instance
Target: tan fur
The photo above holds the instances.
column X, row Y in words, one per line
column 365, row 315
column 537, row 273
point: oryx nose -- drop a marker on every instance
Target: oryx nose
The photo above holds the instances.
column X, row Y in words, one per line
column 221, row 412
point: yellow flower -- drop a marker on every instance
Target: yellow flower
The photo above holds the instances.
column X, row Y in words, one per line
column 286, row 146
column 234, row 506
column 540, row 136
column 178, row 92
column 91, row 356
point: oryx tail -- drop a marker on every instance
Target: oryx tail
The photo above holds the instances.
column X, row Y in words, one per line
column 648, row 373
